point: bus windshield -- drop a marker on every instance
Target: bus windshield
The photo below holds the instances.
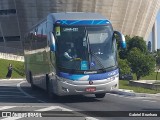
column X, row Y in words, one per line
column 85, row 47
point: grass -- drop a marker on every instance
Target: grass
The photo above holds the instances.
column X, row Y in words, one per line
column 124, row 84
column 18, row 72
column 152, row 76
column 18, row 68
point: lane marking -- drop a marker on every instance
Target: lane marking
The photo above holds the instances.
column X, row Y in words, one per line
column 3, row 85
column 19, row 88
column 65, row 109
column 48, row 108
column 12, row 118
column 10, row 80
column 43, row 109
column 90, row 118
column 6, row 107
column 149, row 101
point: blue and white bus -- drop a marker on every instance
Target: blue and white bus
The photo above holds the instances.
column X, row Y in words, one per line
column 73, row 53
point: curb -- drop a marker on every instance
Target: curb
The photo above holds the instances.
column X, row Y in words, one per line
column 147, row 95
column 14, row 79
column 124, row 92
column 132, row 93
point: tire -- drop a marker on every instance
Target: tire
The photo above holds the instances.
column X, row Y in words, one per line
column 31, row 81
column 50, row 94
column 100, row 95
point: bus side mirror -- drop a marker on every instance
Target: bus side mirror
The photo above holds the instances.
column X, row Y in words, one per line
column 121, row 38
column 52, row 42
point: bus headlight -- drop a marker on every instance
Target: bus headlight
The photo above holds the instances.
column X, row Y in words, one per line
column 113, row 78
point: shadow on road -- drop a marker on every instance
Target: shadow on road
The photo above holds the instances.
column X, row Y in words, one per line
column 11, row 94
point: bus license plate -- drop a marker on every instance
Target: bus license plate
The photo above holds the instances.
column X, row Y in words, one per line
column 92, row 89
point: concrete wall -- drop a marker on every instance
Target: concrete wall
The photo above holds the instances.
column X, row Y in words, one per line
column 131, row 17
column 9, row 23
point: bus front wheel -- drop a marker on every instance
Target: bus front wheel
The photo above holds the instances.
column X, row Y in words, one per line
column 100, row 95
column 49, row 88
column 31, row 81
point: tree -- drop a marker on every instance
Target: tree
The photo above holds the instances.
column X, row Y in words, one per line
column 141, row 64
column 158, row 59
column 137, row 42
column 124, row 67
column 124, row 52
column 149, row 46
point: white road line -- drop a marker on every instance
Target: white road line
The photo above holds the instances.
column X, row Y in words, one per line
column 9, row 80
column 11, row 118
column 63, row 109
column 48, row 108
column 90, row 118
column 6, row 107
column 19, row 88
column 43, row 109
column 149, row 101
column 7, row 85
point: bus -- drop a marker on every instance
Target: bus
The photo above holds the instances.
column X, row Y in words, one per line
column 73, row 53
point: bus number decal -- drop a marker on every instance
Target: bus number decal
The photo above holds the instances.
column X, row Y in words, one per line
column 70, row 30
column 58, row 33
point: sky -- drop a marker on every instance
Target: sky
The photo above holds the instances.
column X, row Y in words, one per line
column 158, row 28
column 158, row 31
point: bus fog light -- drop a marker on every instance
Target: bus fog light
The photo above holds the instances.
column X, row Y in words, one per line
column 114, row 86
column 112, row 78
column 65, row 89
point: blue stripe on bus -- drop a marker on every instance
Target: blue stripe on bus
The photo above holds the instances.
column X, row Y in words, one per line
column 82, row 22
column 101, row 76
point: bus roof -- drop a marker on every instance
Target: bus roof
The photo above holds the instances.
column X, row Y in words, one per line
column 78, row 18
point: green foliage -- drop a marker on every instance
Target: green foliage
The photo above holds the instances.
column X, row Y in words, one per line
column 18, row 68
column 141, row 64
column 124, row 52
column 158, row 59
column 124, row 67
column 137, row 42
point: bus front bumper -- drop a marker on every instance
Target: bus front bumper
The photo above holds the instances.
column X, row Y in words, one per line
column 83, row 87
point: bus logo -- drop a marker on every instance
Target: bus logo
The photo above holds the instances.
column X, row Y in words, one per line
column 91, row 82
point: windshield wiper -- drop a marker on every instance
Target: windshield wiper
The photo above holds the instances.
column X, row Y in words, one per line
column 99, row 62
column 91, row 53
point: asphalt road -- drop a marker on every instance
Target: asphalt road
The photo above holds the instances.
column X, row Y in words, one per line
column 18, row 96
